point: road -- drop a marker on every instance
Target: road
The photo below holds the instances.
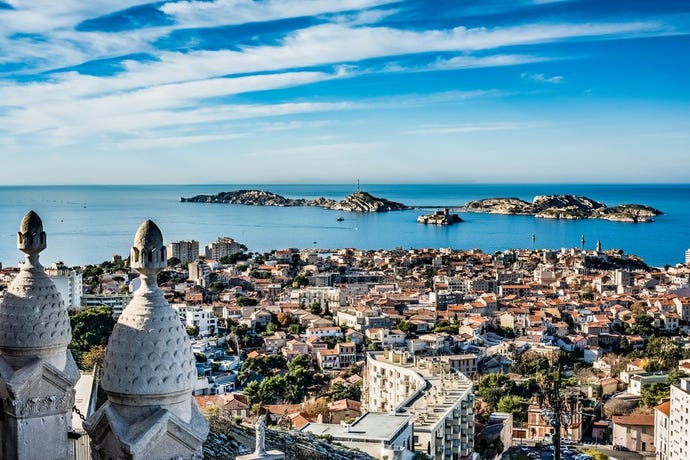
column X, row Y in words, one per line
column 606, row 450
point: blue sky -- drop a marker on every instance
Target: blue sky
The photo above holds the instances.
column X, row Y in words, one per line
column 322, row 91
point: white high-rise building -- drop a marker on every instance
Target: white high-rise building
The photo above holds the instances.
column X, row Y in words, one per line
column 687, row 257
column 678, row 424
column 439, row 397
column 223, row 247
column 68, row 282
column 186, row 250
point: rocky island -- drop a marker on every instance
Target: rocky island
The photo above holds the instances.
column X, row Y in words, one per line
column 440, row 217
column 355, row 202
column 564, row 207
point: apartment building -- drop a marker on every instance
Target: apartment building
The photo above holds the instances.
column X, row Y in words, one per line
column 439, row 398
column 185, row 250
column 68, row 282
column 679, row 421
column 223, row 247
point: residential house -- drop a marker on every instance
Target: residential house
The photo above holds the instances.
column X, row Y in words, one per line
column 344, row 410
column 634, row 432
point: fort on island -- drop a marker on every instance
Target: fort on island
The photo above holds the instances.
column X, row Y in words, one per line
column 440, row 217
column 343, row 354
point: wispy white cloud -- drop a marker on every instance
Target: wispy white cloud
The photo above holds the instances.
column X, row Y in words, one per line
column 196, row 89
column 224, row 12
column 157, row 142
column 472, row 128
column 540, row 77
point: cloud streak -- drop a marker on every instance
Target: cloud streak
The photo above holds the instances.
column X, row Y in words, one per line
column 195, row 77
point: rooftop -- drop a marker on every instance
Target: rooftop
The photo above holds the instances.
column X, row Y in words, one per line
column 372, row 425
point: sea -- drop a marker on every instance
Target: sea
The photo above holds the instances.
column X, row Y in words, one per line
column 89, row 224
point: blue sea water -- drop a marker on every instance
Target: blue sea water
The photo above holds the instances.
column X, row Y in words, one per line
column 88, row 224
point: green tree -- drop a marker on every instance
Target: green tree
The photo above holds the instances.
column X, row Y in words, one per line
column 643, row 325
column 652, row 394
column 234, row 258
column 315, row 308
column 531, row 363
column 663, row 354
column 494, row 386
column 446, row 326
column 244, row 301
column 173, row 262
column 515, row 405
column 93, row 357
column 90, row 327
column 407, row 327
column 340, row 390
column 260, row 274
column 300, row 281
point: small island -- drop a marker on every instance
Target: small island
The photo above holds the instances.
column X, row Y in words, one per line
column 355, row 202
column 440, row 217
column 564, row 207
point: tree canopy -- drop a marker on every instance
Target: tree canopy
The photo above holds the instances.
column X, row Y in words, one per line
column 90, row 327
column 289, row 387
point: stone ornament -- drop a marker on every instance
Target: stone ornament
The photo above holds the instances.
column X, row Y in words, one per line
column 260, row 436
column 149, row 352
column 40, row 406
column 149, row 372
column 37, row 371
column 33, row 318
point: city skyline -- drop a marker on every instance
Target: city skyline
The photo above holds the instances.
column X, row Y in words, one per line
column 324, row 91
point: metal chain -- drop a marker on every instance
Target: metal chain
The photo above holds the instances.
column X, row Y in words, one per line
column 78, row 412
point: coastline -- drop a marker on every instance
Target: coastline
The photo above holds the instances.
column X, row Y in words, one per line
column 90, row 234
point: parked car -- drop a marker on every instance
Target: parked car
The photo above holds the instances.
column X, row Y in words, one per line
column 620, row 447
column 567, row 441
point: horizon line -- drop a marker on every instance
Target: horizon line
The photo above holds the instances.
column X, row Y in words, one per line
column 206, row 184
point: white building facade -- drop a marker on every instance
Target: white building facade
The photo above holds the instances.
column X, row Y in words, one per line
column 679, row 424
column 223, row 247
column 439, row 398
column 68, row 282
column 185, row 250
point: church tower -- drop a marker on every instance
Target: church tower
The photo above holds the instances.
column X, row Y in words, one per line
column 148, row 373
column 37, row 371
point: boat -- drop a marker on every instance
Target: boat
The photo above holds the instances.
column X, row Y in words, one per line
column 340, row 219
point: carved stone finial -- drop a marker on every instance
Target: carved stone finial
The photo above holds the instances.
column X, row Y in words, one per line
column 31, row 239
column 149, row 254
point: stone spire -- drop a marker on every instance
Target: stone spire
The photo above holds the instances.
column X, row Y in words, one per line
column 149, row 373
column 37, row 371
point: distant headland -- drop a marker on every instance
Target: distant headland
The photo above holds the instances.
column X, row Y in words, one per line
column 542, row 206
column 355, row 202
column 564, row 207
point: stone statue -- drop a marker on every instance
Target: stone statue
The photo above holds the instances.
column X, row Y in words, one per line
column 260, row 436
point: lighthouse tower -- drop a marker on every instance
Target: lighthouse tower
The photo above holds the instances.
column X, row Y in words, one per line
column 148, row 373
column 37, row 371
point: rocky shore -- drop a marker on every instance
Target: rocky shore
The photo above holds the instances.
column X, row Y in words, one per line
column 564, row 207
column 355, row 202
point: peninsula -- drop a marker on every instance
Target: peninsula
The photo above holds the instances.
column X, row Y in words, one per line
column 355, row 202
column 564, row 207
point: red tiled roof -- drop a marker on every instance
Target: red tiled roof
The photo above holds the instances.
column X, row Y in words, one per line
column 634, row 420
column 664, row 408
